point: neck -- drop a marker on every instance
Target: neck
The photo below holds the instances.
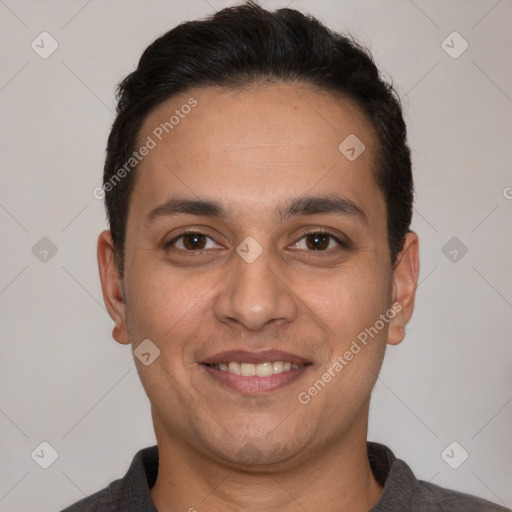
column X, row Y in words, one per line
column 337, row 478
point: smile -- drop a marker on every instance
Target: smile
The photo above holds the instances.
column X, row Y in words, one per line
column 255, row 379
column 256, row 370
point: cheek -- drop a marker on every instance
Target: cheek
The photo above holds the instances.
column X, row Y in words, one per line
column 166, row 306
column 153, row 306
column 341, row 388
column 350, row 300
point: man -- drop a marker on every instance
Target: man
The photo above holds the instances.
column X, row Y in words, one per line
column 259, row 191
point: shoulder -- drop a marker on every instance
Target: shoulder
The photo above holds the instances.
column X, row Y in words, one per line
column 100, row 501
column 420, row 496
column 128, row 494
column 403, row 492
column 440, row 499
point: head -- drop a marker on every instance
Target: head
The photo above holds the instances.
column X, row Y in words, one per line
column 278, row 145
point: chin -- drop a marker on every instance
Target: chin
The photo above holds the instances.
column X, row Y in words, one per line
column 246, row 448
column 256, row 457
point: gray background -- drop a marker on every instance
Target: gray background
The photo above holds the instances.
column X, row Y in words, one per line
column 65, row 381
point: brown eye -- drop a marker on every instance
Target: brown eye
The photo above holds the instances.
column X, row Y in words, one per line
column 317, row 241
column 192, row 241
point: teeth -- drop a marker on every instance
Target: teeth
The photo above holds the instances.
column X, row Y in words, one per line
column 257, row 370
column 234, row 367
column 264, row 369
column 247, row 370
column 277, row 367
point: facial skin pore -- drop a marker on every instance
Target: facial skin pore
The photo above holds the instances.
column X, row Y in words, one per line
column 255, row 152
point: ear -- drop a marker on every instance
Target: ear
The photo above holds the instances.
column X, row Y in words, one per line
column 112, row 287
column 405, row 282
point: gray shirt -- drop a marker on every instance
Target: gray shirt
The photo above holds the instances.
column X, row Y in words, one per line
column 402, row 491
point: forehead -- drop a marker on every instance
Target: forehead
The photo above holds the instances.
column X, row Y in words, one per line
column 265, row 141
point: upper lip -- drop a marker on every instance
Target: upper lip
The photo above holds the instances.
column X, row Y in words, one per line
column 261, row 356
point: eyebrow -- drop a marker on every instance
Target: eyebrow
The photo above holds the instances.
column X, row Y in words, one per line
column 322, row 205
column 177, row 206
column 302, row 206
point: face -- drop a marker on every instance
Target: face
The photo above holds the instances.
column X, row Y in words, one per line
column 256, row 260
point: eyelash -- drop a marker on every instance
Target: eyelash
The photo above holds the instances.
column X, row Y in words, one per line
column 319, row 231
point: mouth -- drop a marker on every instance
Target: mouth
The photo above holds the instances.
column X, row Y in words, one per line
column 255, row 372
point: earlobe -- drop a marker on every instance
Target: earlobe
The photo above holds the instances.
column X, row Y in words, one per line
column 405, row 282
column 112, row 286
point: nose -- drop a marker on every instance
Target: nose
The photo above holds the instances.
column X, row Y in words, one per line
column 254, row 295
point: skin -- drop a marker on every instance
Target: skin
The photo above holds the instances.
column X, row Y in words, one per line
column 254, row 150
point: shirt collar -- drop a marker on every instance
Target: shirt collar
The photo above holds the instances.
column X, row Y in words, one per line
column 131, row 493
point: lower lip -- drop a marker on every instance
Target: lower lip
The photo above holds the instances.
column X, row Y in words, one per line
column 255, row 385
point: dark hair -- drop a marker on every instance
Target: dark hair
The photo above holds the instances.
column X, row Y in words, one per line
column 244, row 45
